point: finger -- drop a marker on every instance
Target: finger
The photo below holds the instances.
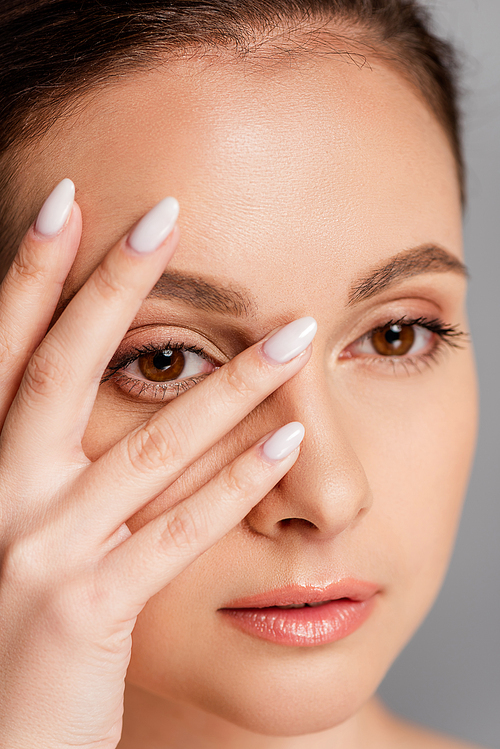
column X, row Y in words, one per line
column 32, row 287
column 164, row 547
column 147, row 461
column 58, row 389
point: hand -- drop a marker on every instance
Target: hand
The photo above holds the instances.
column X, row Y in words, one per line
column 73, row 579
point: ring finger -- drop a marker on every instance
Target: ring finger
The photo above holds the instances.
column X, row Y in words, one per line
column 147, row 561
column 147, row 461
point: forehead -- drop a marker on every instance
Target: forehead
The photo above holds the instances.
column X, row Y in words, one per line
column 315, row 170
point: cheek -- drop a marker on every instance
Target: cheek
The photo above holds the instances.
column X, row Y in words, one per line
column 414, row 439
column 418, row 457
column 113, row 418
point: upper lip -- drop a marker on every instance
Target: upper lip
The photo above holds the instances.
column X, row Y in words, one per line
column 356, row 590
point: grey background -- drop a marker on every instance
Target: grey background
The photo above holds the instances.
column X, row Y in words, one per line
column 449, row 675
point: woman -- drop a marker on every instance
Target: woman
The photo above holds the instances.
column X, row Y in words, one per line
column 271, row 538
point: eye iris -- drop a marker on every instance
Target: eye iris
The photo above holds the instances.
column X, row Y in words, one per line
column 393, row 340
column 162, row 366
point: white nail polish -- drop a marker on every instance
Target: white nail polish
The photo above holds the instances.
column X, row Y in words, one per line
column 284, row 441
column 56, row 209
column 155, row 226
column 291, row 340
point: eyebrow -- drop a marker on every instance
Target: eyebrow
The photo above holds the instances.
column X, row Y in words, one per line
column 192, row 290
column 211, row 297
column 202, row 294
column 427, row 258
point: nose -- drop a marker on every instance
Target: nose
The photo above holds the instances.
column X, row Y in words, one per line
column 327, row 490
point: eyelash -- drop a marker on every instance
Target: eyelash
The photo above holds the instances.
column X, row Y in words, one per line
column 446, row 335
column 159, row 391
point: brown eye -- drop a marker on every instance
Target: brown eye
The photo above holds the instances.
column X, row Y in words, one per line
column 162, row 366
column 393, row 340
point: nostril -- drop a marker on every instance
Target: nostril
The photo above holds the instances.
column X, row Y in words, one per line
column 300, row 522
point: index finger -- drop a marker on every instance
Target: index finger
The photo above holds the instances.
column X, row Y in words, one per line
column 52, row 406
column 32, row 286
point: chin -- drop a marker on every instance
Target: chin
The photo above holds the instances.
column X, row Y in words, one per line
column 286, row 693
column 263, row 687
column 289, row 715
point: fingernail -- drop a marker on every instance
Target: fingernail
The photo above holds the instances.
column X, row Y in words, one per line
column 155, row 226
column 56, row 209
column 291, row 340
column 284, row 441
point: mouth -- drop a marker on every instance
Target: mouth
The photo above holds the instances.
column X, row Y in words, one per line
column 304, row 616
column 302, row 605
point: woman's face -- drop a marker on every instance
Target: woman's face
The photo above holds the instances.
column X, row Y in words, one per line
column 298, row 183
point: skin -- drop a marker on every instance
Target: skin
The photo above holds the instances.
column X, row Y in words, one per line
column 294, row 183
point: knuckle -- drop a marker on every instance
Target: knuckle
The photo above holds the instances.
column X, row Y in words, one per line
column 181, row 531
column 154, row 447
column 237, row 380
column 25, row 271
column 22, row 563
column 106, row 282
column 47, row 370
column 7, row 352
column 237, row 480
column 28, row 570
column 65, row 609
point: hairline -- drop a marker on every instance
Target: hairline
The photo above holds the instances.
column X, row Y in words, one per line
column 360, row 44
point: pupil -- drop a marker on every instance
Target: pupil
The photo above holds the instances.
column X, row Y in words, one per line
column 163, row 359
column 393, row 335
column 394, row 340
column 162, row 366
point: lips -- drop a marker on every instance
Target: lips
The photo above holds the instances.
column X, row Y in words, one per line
column 304, row 616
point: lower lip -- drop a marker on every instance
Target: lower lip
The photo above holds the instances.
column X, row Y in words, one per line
column 304, row 627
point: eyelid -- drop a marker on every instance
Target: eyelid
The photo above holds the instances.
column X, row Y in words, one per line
column 146, row 388
column 442, row 335
column 159, row 336
column 174, row 347
column 154, row 338
column 378, row 314
column 424, row 331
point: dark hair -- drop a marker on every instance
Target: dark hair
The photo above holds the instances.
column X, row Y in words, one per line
column 54, row 51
